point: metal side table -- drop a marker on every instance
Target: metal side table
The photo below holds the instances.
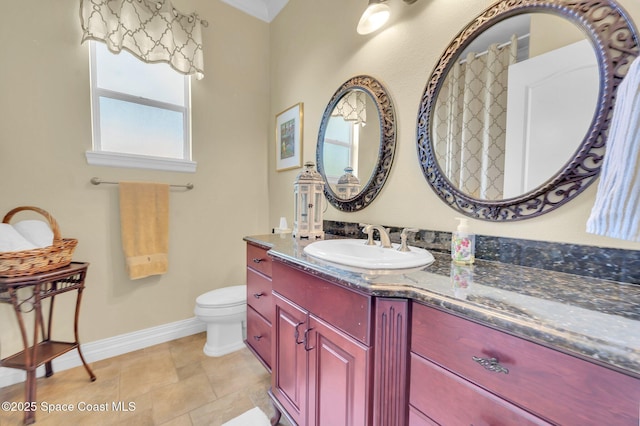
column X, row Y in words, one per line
column 42, row 349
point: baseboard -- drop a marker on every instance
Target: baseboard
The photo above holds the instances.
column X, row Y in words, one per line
column 112, row 346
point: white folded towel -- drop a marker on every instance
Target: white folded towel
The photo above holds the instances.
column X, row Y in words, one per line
column 11, row 240
column 616, row 211
column 253, row 417
column 36, row 232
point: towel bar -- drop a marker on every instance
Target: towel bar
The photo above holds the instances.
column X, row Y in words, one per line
column 98, row 181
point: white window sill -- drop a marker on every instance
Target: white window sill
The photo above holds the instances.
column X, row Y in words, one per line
column 113, row 159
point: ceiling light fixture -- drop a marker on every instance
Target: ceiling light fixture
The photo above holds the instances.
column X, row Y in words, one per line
column 375, row 16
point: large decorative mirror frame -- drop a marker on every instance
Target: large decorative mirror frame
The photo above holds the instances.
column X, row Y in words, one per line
column 386, row 148
column 615, row 41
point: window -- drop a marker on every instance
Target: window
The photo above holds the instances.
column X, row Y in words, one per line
column 140, row 112
column 340, row 148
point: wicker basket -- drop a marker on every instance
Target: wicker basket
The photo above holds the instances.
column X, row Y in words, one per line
column 29, row 262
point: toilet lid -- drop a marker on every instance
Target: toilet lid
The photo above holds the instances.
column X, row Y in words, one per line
column 222, row 297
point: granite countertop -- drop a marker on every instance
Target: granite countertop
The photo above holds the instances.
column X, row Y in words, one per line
column 593, row 318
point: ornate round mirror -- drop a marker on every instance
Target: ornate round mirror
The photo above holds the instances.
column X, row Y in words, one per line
column 514, row 118
column 356, row 143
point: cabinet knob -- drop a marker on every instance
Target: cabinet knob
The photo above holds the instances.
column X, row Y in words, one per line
column 258, row 295
column 257, row 260
column 257, row 338
column 491, row 364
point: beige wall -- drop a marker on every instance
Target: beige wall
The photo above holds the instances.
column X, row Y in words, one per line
column 45, row 130
column 564, row 33
column 315, row 48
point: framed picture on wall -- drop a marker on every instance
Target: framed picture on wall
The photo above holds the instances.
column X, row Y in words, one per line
column 289, row 138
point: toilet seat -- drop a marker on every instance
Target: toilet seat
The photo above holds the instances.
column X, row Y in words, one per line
column 225, row 297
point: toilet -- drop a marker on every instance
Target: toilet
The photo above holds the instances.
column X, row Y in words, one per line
column 224, row 310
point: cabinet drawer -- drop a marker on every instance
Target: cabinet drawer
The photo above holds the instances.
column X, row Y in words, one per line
column 345, row 309
column 258, row 259
column 416, row 418
column 451, row 400
column 558, row 387
column 259, row 336
column 259, row 294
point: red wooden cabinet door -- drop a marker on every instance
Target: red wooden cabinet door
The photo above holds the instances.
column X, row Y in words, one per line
column 289, row 358
column 338, row 377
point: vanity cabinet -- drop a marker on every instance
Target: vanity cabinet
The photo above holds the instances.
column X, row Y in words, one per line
column 348, row 352
column 259, row 303
column 466, row 373
column 321, row 350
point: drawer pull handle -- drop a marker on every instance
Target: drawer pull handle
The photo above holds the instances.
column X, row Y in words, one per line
column 491, row 364
column 257, row 260
column 258, row 295
column 306, row 340
column 296, row 334
column 257, row 338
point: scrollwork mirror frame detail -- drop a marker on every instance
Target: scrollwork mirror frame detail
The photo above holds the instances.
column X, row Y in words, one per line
column 386, row 151
column 615, row 41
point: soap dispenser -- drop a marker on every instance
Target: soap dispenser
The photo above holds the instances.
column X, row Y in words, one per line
column 463, row 243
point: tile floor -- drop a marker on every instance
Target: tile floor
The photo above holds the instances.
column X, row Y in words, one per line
column 173, row 383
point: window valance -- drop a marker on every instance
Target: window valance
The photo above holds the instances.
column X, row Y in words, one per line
column 154, row 31
column 352, row 107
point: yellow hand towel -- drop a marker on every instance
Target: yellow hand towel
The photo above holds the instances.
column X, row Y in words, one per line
column 144, row 224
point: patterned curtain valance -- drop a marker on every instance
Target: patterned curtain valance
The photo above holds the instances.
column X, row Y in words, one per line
column 154, row 31
column 352, row 107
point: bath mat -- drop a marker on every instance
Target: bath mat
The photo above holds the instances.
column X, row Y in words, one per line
column 253, row 417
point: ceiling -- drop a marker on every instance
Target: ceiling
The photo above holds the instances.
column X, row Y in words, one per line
column 265, row 10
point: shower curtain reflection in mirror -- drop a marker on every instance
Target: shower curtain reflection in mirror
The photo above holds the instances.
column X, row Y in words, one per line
column 470, row 121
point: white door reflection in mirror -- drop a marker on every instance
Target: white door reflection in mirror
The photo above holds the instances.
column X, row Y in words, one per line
column 542, row 90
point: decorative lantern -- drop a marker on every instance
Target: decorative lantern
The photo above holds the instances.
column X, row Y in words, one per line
column 348, row 184
column 308, row 193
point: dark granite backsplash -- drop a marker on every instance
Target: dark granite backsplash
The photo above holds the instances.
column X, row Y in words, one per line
column 589, row 261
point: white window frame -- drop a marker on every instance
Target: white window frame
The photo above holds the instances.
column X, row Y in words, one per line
column 352, row 145
column 96, row 156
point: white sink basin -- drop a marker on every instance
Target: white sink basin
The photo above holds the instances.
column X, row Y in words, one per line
column 374, row 259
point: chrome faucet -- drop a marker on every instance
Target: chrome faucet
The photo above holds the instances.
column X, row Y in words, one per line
column 385, row 241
